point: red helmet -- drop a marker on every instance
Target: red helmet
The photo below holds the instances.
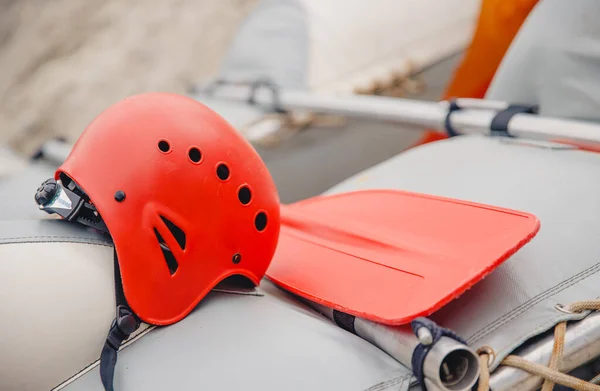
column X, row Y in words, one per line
column 185, row 198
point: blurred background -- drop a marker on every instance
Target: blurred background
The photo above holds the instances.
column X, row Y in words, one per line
column 63, row 62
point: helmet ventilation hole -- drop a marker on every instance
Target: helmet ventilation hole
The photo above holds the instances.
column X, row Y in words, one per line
column 195, row 155
column 223, row 172
column 244, row 195
column 260, row 221
column 177, row 232
column 164, row 146
column 169, row 257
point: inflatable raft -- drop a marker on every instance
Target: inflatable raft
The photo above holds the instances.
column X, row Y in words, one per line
column 264, row 337
column 530, row 321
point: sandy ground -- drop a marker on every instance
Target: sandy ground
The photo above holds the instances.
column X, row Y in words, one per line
column 63, row 61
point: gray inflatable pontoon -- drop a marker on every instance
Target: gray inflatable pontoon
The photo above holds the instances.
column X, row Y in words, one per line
column 265, row 339
column 54, row 321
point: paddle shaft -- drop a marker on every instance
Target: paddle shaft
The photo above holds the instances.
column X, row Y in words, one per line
column 398, row 342
column 449, row 365
column 476, row 117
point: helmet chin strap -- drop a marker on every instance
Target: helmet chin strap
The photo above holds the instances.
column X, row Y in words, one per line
column 124, row 324
column 69, row 202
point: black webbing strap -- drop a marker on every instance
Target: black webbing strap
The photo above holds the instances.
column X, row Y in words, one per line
column 344, row 320
column 266, row 83
column 499, row 125
column 124, row 324
column 452, row 107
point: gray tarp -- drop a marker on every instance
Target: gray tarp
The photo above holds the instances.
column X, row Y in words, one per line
column 560, row 265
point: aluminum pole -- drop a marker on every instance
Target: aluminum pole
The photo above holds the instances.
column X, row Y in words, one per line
column 476, row 118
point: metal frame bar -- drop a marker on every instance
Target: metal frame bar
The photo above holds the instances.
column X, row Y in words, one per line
column 476, row 117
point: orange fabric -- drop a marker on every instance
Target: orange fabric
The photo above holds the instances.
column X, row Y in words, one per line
column 364, row 252
column 591, row 147
column 498, row 23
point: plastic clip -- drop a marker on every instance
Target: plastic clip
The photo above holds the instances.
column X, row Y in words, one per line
column 276, row 103
column 499, row 125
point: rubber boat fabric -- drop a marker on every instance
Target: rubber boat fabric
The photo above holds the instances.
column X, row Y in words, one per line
column 358, row 252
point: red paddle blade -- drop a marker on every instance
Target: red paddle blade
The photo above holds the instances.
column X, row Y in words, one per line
column 391, row 256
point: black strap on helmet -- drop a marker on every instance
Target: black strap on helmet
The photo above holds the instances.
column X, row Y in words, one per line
column 71, row 203
column 124, row 324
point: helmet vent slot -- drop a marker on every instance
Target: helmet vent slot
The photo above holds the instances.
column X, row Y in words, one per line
column 169, row 257
column 223, row 172
column 177, row 232
column 195, row 155
column 164, row 146
column 260, row 221
column 244, row 195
